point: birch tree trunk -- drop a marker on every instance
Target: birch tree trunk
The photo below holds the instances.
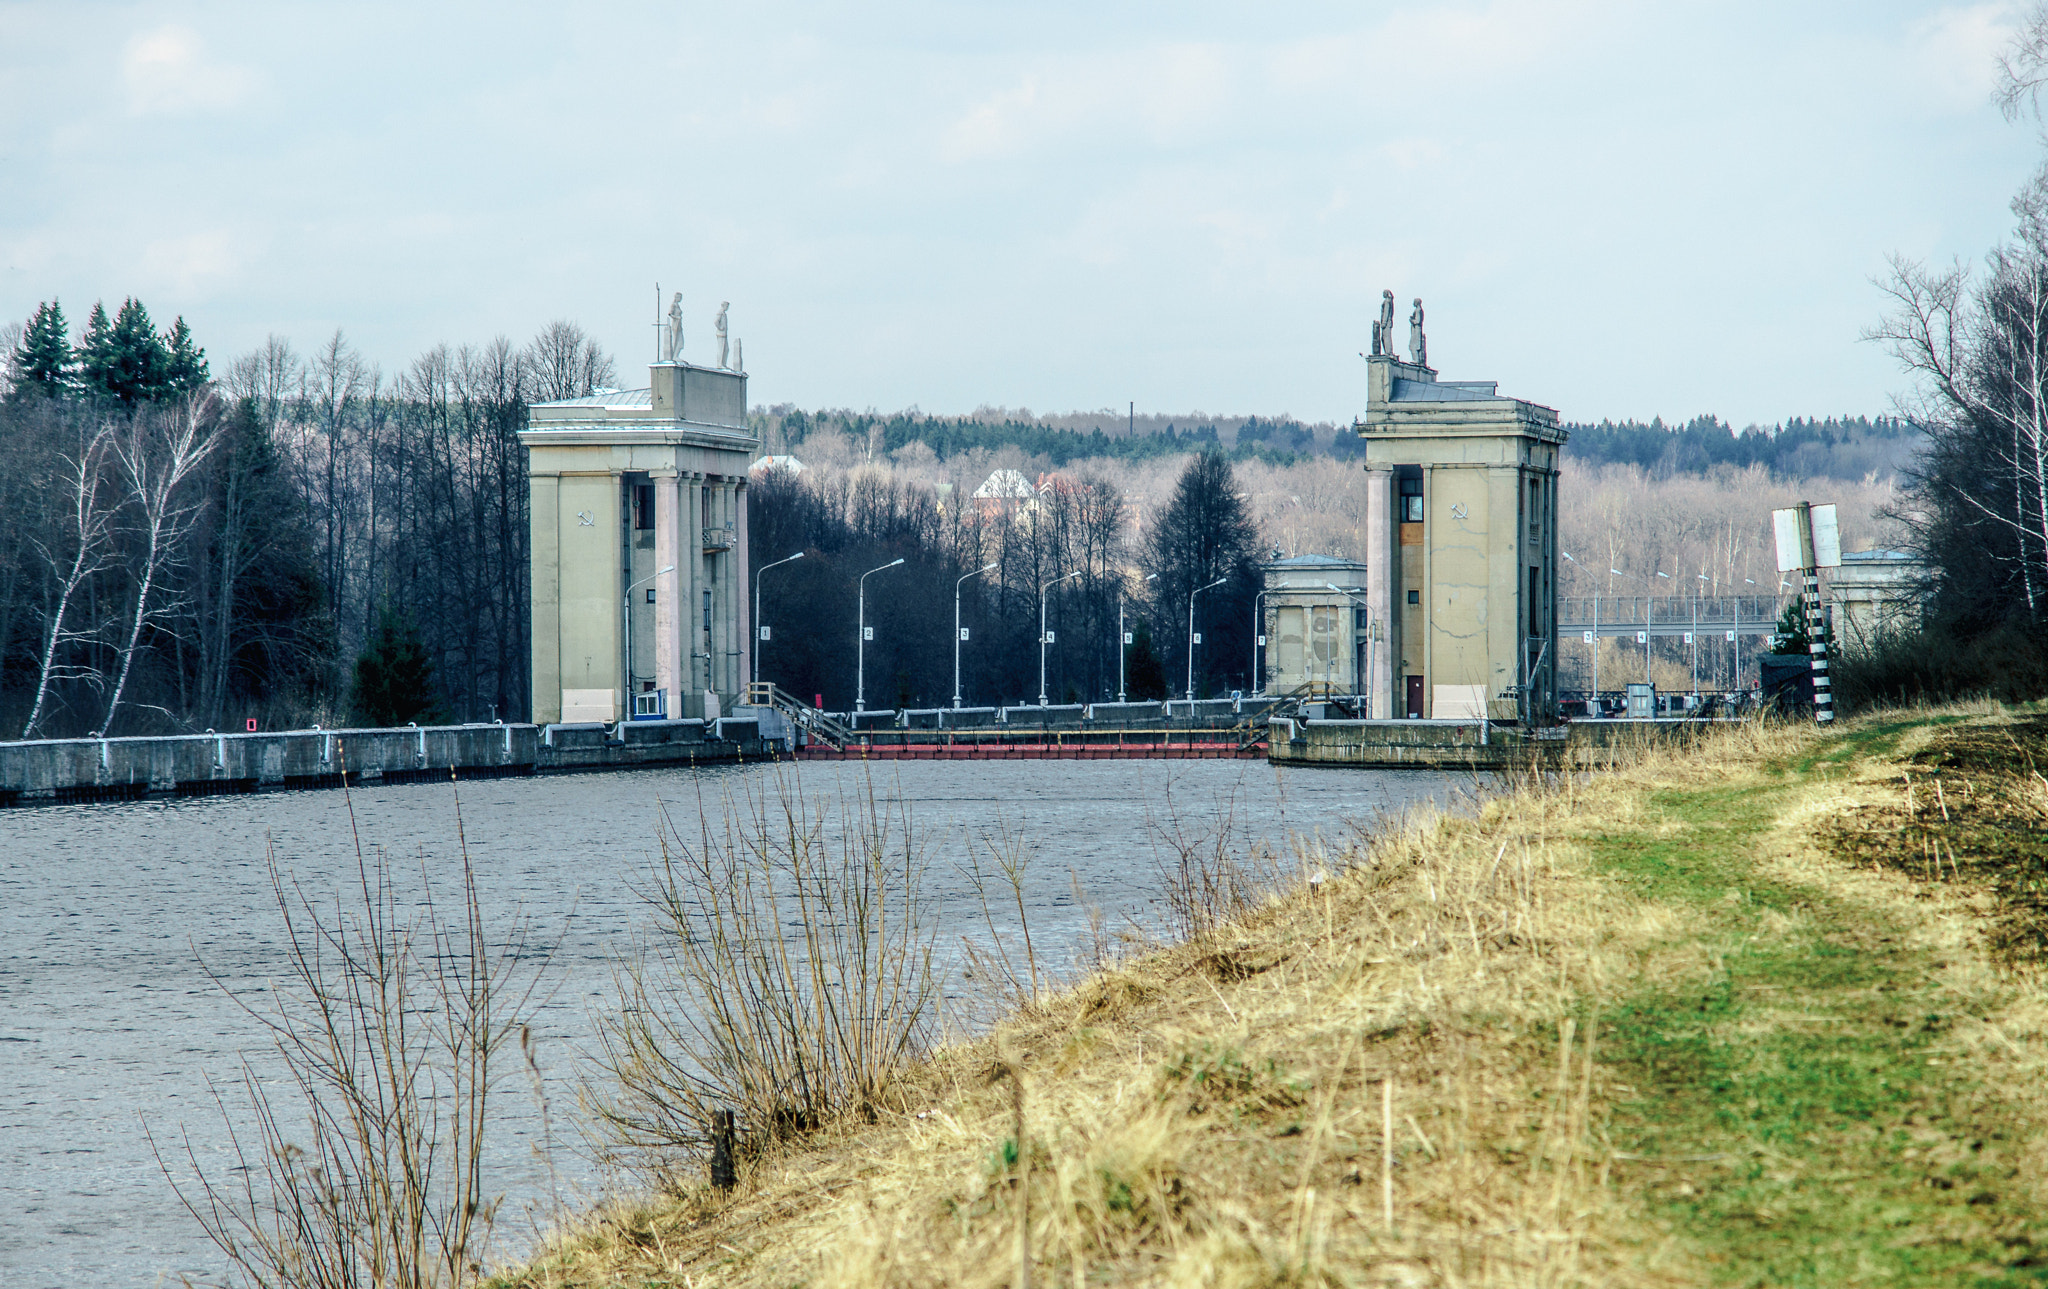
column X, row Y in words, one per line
column 86, row 537
column 158, row 456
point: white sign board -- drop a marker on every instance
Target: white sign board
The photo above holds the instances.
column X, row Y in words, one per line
column 1130, row 637
column 1794, row 542
column 867, row 633
column 765, row 631
column 1815, row 543
column 964, row 631
column 1050, row 637
column 1827, row 538
column 1198, row 637
column 1589, row 637
column 1642, row 637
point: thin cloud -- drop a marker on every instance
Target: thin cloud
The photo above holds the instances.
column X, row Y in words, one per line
column 167, row 71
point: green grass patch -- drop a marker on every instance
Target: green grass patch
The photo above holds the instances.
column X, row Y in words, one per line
column 1790, row 1119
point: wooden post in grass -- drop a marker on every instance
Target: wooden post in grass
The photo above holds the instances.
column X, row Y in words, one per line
column 1016, row 1073
column 1387, row 1152
column 722, row 1175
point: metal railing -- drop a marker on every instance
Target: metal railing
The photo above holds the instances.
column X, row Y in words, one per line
column 1669, row 615
column 763, row 693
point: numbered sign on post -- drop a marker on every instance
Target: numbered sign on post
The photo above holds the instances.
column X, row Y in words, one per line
column 867, row 633
column 1642, row 637
column 963, row 634
column 764, row 633
column 1731, row 637
column 1262, row 642
column 1588, row 635
column 1130, row 637
column 1049, row 636
column 1198, row 637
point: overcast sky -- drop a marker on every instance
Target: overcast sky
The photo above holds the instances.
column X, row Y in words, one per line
column 1618, row 209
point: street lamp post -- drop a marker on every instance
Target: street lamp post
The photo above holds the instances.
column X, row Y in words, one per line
column 660, row 572
column 758, row 639
column 1191, row 640
column 860, row 674
column 1649, row 616
column 1593, row 705
column 1354, row 598
column 1123, row 647
column 1041, row 630
column 957, row 636
column 1257, row 673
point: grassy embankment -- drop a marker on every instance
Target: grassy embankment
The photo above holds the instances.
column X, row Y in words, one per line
column 1763, row 1012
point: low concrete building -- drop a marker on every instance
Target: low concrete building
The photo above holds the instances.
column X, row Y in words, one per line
column 1315, row 635
column 1875, row 592
column 639, row 529
column 1461, row 546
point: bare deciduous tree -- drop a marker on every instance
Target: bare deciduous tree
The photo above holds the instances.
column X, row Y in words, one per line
column 566, row 362
column 158, row 453
column 78, row 550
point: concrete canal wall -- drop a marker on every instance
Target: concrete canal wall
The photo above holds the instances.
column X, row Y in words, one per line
column 1467, row 745
column 59, row 770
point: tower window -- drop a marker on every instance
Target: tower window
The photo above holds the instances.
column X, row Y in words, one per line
column 1411, row 500
column 643, row 506
column 1414, row 597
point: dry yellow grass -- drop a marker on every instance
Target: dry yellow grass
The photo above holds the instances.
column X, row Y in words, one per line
column 1386, row 1080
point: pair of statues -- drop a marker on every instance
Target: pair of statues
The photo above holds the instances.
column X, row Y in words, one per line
column 675, row 335
column 1383, row 331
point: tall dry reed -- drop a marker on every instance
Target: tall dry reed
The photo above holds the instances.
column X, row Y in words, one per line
column 787, row 976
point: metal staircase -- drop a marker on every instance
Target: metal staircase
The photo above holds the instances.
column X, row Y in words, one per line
column 763, row 693
column 1252, row 729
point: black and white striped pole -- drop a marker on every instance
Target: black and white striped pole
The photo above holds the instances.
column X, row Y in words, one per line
column 1810, row 539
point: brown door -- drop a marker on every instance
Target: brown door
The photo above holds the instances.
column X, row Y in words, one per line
column 1415, row 698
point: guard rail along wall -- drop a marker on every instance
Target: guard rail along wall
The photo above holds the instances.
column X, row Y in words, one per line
column 100, row 769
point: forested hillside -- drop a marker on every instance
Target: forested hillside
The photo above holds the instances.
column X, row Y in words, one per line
column 1846, row 448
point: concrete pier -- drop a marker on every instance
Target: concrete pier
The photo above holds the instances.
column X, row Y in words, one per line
column 113, row 769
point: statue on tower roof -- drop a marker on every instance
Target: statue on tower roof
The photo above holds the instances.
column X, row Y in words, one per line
column 1383, row 327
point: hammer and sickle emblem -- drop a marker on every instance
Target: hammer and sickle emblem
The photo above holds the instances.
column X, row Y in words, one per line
column 1458, row 510
column 586, row 519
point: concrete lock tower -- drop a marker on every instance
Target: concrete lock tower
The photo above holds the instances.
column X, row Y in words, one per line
column 1461, row 545
column 640, row 547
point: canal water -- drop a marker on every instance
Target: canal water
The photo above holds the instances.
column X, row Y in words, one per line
column 117, row 918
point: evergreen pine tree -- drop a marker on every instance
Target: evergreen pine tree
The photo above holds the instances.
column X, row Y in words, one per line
column 1143, row 672
column 184, row 362
column 42, row 361
column 123, row 361
column 1791, row 636
column 395, row 677
column 91, row 356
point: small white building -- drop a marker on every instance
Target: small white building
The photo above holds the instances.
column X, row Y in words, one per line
column 1318, row 634
column 1875, row 592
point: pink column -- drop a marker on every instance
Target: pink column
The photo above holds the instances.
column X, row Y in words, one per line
column 669, row 610
column 743, row 593
column 1382, row 590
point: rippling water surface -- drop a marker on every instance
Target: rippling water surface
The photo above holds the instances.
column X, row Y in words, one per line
column 110, row 1022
